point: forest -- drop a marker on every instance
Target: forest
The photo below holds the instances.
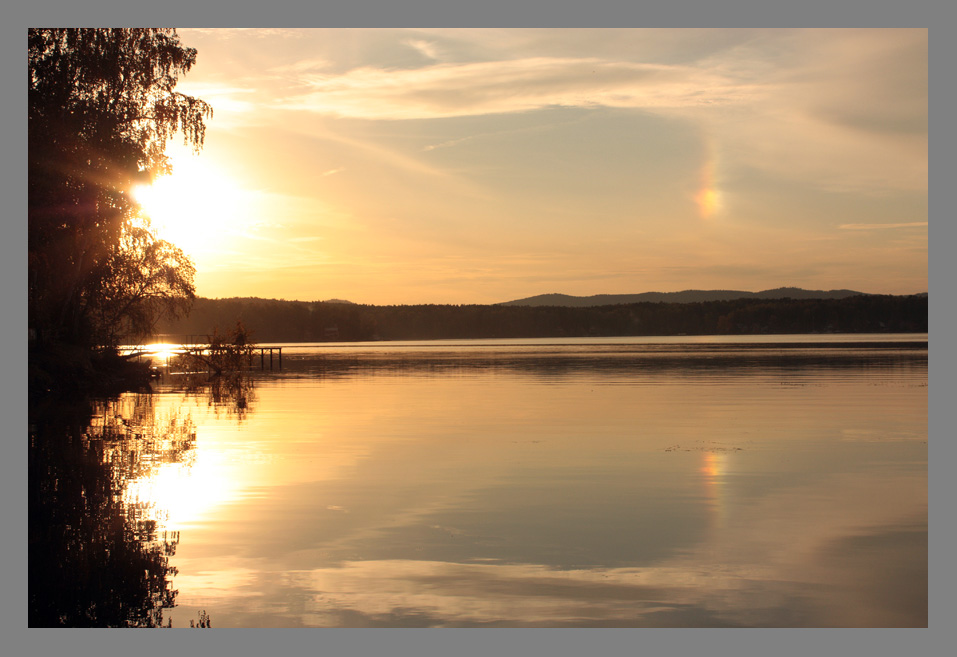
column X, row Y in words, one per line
column 273, row 320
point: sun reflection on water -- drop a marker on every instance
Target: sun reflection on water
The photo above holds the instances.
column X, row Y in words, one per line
column 178, row 494
column 188, row 464
column 714, row 470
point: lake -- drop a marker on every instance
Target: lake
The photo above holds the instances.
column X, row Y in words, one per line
column 757, row 481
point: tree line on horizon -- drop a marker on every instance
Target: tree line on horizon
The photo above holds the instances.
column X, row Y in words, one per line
column 274, row 320
column 684, row 296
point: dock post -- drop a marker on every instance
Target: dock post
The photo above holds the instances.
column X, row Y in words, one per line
column 280, row 357
column 270, row 357
column 262, row 364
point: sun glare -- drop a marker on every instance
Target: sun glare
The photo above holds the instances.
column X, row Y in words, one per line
column 161, row 352
column 196, row 207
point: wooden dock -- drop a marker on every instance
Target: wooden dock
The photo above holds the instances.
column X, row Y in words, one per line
column 247, row 350
column 262, row 352
column 206, row 352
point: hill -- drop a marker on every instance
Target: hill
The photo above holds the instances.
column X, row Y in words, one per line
column 687, row 296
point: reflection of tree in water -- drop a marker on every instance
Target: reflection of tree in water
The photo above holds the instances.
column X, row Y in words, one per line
column 92, row 562
column 99, row 554
column 137, row 438
column 231, row 394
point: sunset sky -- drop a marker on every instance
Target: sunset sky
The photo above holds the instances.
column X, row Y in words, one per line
column 397, row 166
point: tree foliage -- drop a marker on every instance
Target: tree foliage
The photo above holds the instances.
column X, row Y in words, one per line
column 102, row 107
column 145, row 279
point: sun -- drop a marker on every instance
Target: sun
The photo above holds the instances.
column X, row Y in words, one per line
column 197, row 207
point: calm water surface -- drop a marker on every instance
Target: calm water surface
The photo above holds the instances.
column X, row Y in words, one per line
column 760, row 481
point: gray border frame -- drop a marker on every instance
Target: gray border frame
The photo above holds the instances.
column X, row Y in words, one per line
column 381, row 13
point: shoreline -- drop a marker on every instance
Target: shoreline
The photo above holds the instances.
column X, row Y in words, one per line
column 60, row 370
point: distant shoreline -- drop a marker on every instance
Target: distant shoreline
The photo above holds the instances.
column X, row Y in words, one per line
column 270, row 320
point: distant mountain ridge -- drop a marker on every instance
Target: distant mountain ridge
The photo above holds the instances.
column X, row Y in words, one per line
column 686, row 296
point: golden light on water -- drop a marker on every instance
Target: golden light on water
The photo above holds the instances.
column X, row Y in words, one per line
column 713, row 466
column 179, row 493
column 713, row 469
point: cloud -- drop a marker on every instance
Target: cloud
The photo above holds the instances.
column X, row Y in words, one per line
column 233, row 106
column 880, row 85
column 246, row 32
column 843, row 110
column 302, row 66
column 518, row 85
column 426, row 48
column 447, row 144
column 912, row 224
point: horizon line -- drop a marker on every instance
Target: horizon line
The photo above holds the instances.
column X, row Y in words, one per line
column 562, row 294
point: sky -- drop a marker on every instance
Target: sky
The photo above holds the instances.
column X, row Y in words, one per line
column 401, row 166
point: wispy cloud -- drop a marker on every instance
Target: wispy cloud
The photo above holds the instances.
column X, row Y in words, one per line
column 426, row 48
column 302, row 66
column 246, row 32
column 222, row 97
column 911, row 224
column 450, row 90
column 370, row 151
column 447, row 144
column 842, row 111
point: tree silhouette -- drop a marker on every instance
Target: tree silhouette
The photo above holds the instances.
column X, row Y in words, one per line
column 102, row 107
column 146, row 278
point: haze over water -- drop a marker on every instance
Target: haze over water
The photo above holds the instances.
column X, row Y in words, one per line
column 616, row 482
